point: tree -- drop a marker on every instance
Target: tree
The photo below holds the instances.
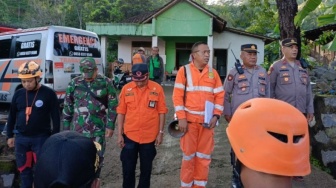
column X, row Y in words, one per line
column 287, row 10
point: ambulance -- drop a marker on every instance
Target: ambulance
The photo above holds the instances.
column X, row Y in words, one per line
column 56, row 49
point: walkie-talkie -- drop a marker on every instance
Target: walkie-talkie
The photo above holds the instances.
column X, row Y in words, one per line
column 304, row 63
column 238, row 66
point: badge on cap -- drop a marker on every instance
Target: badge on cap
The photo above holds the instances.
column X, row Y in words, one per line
column 253, row 47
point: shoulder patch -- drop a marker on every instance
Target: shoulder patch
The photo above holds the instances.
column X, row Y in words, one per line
column 230, row 77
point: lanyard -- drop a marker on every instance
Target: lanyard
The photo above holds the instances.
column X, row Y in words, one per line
column 29, row 108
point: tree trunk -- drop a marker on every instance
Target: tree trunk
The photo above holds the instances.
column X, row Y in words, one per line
column 287, row 10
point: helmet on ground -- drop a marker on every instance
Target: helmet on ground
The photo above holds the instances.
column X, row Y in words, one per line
column 120, row 61
column 173, row 129
column 270, row 136
column 30, row 69
column 87, row 66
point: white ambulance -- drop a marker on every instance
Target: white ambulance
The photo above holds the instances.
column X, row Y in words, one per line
column 57, row 49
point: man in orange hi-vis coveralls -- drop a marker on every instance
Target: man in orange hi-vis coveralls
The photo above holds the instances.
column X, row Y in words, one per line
column 195, row 84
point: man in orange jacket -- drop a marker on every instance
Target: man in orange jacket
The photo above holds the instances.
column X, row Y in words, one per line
column 195, row 84
column 139, row 57
column 141, row 116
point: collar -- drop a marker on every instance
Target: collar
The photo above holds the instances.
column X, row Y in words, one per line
column 193, row 66
column 284, row 62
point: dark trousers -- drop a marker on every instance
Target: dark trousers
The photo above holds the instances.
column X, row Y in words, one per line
column 26, row 150
column 129, row 156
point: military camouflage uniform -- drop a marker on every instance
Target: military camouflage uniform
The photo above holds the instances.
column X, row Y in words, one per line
column 84, row 113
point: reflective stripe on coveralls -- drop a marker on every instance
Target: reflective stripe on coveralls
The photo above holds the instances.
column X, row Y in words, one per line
column 197, row 144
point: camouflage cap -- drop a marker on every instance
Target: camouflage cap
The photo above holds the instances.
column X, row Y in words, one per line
column 87, row 67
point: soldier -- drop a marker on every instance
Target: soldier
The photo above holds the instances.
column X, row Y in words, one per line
column 32, row 109
column 249, row 82
column 290, row 82
column 90, row 104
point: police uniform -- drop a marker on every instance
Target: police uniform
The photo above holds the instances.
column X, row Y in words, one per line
column 291, row 84
column 242, row 87
column 84, row 112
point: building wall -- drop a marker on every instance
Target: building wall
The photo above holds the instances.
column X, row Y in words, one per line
column 183, row 19
column 125, row 47
column 228, row 40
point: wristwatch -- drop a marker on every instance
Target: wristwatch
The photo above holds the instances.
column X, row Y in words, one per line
column 217, row 116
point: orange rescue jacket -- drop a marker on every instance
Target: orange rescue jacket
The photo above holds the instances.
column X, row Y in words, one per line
column 200, row 86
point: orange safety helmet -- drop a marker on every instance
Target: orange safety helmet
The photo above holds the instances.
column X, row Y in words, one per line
column 29, row 69
column 270, row 136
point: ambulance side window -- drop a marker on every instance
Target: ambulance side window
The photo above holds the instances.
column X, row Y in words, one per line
column 5, row 48
column 27, row 45
column 76, row 45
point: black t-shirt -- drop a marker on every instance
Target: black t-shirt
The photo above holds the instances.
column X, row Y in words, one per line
column 45, row 107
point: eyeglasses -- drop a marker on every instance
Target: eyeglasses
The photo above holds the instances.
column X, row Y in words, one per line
column 203, row 52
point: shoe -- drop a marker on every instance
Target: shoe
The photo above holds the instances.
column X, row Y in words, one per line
column 298, row 178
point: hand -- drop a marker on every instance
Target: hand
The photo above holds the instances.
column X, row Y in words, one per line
column 11, row 142
column 159, row 139
column 183, row 125
column 108, row 133
column 228, row 118
column 213, row 122
column 310, row 117
column 121, row 141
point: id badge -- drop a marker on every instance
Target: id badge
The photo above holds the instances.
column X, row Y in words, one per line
column 151, row 104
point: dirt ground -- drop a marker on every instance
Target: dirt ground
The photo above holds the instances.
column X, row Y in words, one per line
column 166, row 167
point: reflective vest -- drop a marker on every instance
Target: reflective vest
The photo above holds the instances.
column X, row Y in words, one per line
column 138, row 58
column 200, row 87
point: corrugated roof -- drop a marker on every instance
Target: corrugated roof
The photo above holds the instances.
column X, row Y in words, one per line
column 315, row 33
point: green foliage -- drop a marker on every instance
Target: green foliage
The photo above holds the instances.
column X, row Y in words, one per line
column 272, row 53
column 308, row 7
column 315, row 162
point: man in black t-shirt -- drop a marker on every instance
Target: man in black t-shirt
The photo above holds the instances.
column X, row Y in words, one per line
column 32, row 108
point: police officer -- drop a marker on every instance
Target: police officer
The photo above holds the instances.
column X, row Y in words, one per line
column 290, row 81
column 249, row 82
column 90, row 104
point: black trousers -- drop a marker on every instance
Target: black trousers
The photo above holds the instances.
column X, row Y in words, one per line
column 129, row 156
